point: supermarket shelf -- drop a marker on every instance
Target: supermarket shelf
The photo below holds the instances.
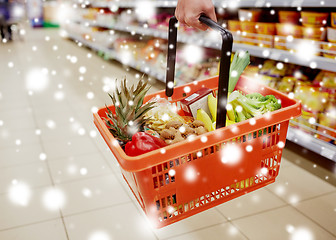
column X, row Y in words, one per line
column 231, row 4
column 306, row 140
column 270, row 53
column 111, row 54
column 318, row 62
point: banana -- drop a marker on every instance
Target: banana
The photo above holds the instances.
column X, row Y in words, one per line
column 204, row 117
column 228, row 123
column 212, row 104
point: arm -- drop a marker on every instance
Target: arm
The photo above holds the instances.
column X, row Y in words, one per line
column 188, row 11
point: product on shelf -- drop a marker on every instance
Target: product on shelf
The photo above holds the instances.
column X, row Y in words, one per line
column 331, row 35
column 333, row 19
column 248, row 32
column 313, row 102
column 286, row 84
column 314, row 33
column 234, row 25
column 327, row 123
column 284, row 30
column 249, row 15
column 314, row 19
column 292, row 17
column 160, row 21
column 266, row 33
column 235, row 28
column 326, row 80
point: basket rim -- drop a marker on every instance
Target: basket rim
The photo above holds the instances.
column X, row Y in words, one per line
column 159, row 156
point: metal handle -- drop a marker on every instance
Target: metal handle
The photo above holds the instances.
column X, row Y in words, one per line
column 224, row 69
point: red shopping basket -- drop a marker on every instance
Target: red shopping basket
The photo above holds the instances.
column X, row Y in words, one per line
column 180, row 180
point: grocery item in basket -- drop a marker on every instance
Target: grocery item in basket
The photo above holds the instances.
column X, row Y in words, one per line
column 292, row 17
column 239, row 62
column 177, row 131
column 129, row 115
column 311, row 19
column 142, row 143
column 243, row 107
column 197, row 100
column 161, row 114
column 205, row 118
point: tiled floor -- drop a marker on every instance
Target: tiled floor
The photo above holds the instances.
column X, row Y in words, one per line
column 58, row 179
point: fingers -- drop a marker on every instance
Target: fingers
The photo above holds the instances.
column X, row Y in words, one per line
column 190, row 21
column 188, row 12
column 209, row 11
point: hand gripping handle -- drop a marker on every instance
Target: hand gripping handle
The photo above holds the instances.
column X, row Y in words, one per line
column 224, row 69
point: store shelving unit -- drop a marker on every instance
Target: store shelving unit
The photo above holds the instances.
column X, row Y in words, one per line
column 270, row 53
column 111, row 54
column 316, row 145
column 299, row 137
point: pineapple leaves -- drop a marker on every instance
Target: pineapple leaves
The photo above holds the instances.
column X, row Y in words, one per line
column 129, row 110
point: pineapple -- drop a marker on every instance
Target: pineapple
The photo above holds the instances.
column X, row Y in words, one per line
column 129, row 116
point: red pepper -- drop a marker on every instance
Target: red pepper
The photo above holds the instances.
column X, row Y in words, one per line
column 143, row 142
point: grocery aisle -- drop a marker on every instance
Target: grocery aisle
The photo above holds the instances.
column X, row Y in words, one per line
column 58, row 179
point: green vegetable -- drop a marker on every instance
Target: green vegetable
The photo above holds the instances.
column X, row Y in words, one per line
column 239, row 63
column 250, row 105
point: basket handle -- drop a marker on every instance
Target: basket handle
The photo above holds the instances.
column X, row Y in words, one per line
column 224, row 69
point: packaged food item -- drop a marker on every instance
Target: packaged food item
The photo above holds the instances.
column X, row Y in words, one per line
column 314, row 33
column 266, row 80
column 267, row 32
column 330, row 49
column 314, row 19
column 333, row 19
column 312, row 98
column 197, row 100
column 286, row 29
column 283, row 30
column 289, row 17
column 328, row 121
column 331, row 34
column 162, row 114
column 326, row 79
column 249, row 15
column 248, row 32
column 286, row 84
column 251, row 71
column 267, row 66
column 234, row 27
